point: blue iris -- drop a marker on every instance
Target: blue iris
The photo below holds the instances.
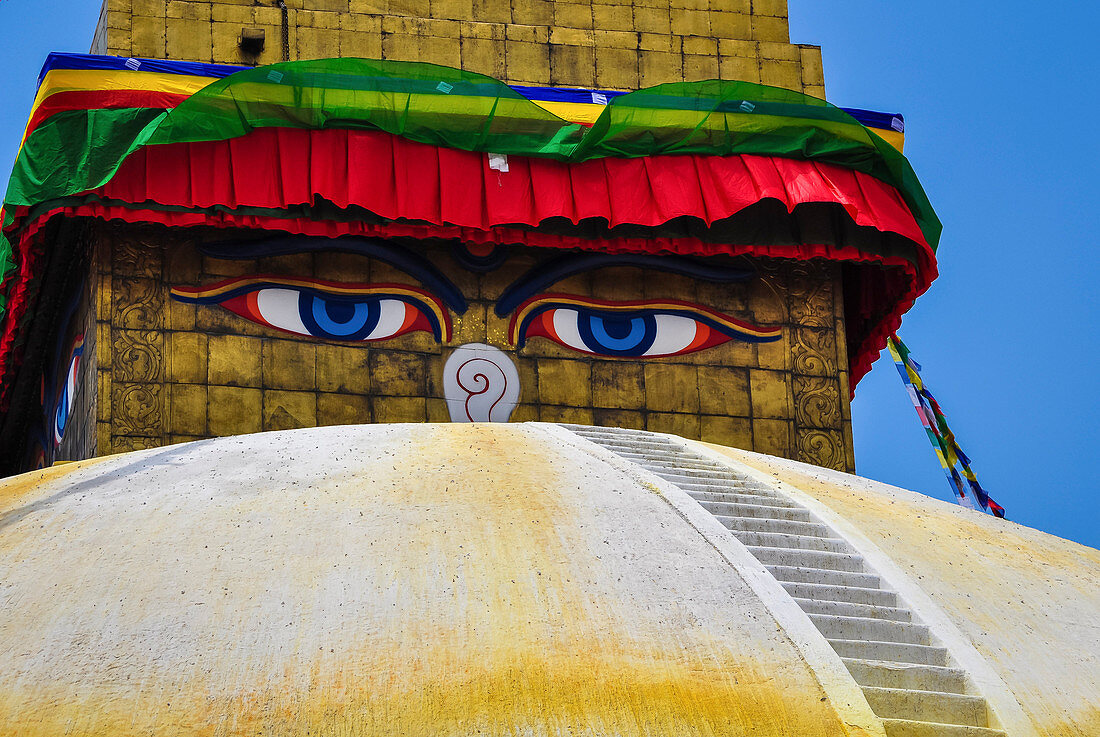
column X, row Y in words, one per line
column 339, row 318
column 616, row 334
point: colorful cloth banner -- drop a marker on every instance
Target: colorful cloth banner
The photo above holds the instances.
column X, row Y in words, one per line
column 570, row 103
column 94, row 115
column 950, row 455
column 121, row 111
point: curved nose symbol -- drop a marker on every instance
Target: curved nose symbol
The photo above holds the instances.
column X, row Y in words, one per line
column 480, row 384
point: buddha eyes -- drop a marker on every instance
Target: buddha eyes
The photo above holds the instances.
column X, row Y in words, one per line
column 649, row 329
column 67, row 395
column 610, row 334
column 333, row 318
column 343, row 312
column 375, row 312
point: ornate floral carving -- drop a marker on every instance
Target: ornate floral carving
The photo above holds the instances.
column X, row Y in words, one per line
column 137, row 409
column 814, row 351
column 138, row 303
column 822, row 448
column 810, row 294
column 817, row 402
column 134, row 258
column 127, row 443
column 138, row 356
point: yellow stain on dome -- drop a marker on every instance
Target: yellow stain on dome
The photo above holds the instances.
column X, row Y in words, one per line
column 392, row 580
column 1028, row 601
column 15, row 489
column 531, row 697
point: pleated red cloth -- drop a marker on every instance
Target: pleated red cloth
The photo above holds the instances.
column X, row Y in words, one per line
column 396, row 178
column 417, row 190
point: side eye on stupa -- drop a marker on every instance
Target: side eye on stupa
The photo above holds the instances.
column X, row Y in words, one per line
column 327, row 310
column 66, row 394
column 644, row 329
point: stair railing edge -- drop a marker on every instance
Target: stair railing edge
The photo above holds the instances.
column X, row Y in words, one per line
column 1007, row 712
column 842, row 690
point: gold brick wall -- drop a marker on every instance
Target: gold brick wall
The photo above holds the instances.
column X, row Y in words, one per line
column 611, row 45
column 170, row 372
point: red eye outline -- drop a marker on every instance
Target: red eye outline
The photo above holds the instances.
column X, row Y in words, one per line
column 537, row 317
column 242, row 295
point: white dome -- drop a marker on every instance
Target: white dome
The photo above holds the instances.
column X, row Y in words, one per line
column 523, row 580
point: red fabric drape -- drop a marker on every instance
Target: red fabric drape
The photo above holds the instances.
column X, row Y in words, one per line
column 396, row 178
column 448, row 193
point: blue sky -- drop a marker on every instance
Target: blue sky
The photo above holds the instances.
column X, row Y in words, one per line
column 999, row 100
column 1000, row 106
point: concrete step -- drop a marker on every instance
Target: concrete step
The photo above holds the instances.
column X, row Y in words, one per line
column 895, row 652
column 619, row 435
column 907, row 728
column 617, row 445
column 909, row 683
column 865, row 628
column 604, row 430
column 711, row 485
column 762, row 510
column 795, row 542
column 633, row 448
column 724, row 505
column 885, row 674
column 734, row 495
column 870, row 595
column 704, row 477
column 800, row 574
column 578, row 428
column 670, row 459
column 798, row 558
column 627, row 440
column 679, row 464
column 739, row 495
column 850, row 609
column 689, row 477
column 928, row 706
column 781, row 526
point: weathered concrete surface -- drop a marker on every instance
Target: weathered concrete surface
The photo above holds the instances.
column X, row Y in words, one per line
column 381, row 580
column 1028, row 601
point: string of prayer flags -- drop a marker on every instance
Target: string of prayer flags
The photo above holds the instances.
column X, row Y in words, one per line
column 955, row 463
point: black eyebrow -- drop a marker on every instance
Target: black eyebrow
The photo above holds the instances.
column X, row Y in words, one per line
column 411, row 263
column 544, row 275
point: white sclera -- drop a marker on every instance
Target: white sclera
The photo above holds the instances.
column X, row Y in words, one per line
column 280, row 308
column 674, row 334
column 565, row 325
column 390, row 320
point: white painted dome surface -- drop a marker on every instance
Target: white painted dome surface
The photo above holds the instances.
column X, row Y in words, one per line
column 378, row 580
column 463, row 579
column 1027, row 602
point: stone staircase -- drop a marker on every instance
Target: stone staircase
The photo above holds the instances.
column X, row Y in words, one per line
column 910, row 682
